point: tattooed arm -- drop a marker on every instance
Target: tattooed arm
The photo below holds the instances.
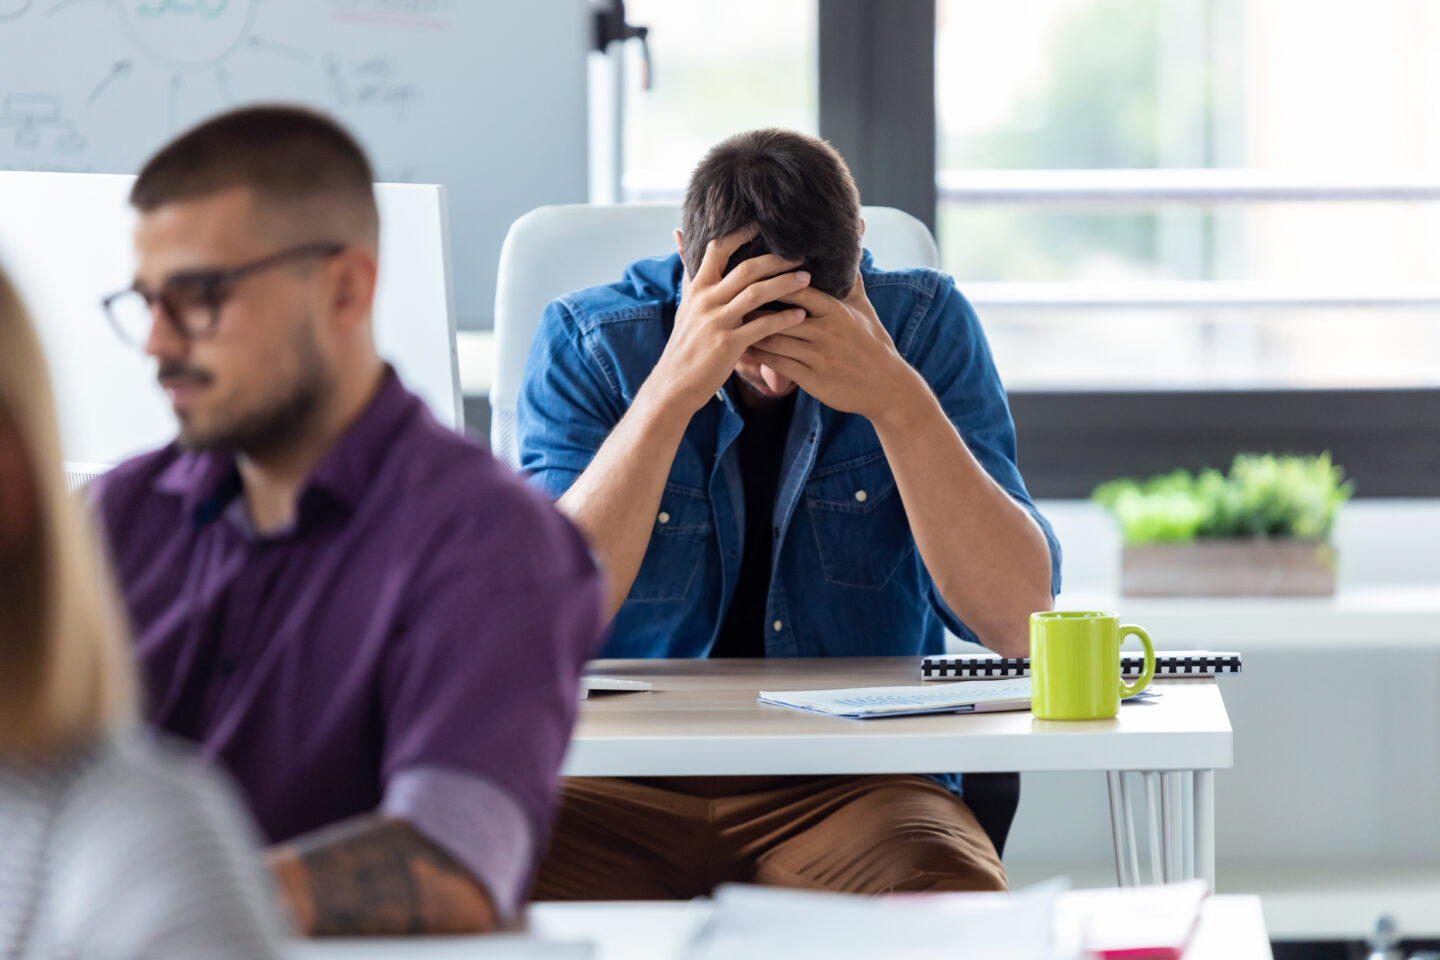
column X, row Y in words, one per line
column 374, row 876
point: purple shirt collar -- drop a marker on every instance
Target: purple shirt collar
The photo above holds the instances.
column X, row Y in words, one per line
column 209, row 481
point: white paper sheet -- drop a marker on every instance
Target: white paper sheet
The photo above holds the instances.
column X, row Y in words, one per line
column 965, row 696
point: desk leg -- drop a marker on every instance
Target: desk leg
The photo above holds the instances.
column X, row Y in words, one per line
column 1152, row 801
column 1132, row 849
column 1172, row 803
column 1113, row 780
column 1205, row 826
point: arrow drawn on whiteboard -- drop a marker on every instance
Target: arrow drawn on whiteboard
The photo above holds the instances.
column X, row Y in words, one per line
column 121, row 69
column 332, row 66
column 176, row 82
column 283, row 49
column 13, row 11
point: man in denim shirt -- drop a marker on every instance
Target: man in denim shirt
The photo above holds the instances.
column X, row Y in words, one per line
column 782, row 451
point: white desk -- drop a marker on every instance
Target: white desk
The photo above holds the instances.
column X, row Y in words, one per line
column 702, row 719
column 1231, row 928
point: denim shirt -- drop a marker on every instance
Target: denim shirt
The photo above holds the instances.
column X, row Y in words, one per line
column 847, row 579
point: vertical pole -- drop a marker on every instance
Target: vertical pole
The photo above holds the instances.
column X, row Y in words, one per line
column 1172, row 804
column 607, row 123
column 1205, row 826
column 1132, row 848
column 1152, row 796
column 1117, row 828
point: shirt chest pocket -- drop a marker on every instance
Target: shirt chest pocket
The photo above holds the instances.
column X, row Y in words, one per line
column 860, row 526
column 678, row 540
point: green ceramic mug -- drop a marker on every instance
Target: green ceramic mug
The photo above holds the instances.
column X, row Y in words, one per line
column 1075, row 664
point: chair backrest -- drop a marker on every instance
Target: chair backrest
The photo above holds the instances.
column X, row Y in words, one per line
column 552, row 251
column 65, row 241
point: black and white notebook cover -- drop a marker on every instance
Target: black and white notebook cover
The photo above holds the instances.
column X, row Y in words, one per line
column 1171, row 663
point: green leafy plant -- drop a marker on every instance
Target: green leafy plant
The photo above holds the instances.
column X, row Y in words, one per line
column 1263, row 496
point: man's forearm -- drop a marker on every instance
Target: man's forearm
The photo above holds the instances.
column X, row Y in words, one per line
column 986, row 554
column 373, row 876
column 616, row 499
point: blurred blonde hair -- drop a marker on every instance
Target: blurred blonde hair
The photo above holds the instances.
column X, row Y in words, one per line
column 65, row 668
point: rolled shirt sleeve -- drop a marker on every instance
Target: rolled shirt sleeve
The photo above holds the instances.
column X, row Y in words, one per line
column 479, row 691
column 476, row 821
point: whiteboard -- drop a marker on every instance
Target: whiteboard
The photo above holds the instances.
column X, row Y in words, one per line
column 65, row 242
column 485, row 97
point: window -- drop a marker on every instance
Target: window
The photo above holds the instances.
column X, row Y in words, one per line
column 718, row 69
column 1062, row 88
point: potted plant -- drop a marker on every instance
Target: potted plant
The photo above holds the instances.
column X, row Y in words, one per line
column 1262, row 530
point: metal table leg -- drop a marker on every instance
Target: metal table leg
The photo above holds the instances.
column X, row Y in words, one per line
column 1117, row 829
column 1152, row 797
column 1172, row 784
column 1132, row 849
column 1205, row 826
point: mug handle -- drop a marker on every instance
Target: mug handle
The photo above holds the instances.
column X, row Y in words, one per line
column 1130, row 689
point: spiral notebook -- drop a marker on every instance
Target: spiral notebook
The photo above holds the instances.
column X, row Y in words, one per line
column 1168, row 664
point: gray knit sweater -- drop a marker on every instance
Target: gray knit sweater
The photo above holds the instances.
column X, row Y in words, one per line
column 125, row 850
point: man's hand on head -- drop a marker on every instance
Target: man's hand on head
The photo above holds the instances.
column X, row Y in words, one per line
column 711, row 331
column 841, row 354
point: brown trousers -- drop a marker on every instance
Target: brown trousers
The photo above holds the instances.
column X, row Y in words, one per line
column 663, row 839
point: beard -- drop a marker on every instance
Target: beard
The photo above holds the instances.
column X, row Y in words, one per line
column 282, row 419
column 757, row 391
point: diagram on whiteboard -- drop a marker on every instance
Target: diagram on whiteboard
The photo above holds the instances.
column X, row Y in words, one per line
column 481, row 96
column 38, row 124
column 201, row 56
column 188, row 33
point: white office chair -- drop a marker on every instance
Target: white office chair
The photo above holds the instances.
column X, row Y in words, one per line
column 552, row 251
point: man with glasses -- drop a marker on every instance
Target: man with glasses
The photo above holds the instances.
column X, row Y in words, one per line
column 360, row 614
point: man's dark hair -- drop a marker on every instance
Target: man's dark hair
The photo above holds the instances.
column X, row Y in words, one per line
column 289, row 156
column 795, row 188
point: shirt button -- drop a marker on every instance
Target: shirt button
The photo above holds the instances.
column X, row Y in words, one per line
column 778, row 626
column 664, row 517
column 861, row 496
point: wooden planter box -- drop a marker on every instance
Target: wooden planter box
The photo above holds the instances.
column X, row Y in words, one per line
column 1229, row 568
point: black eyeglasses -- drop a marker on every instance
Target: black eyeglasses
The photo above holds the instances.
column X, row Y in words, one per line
column 191, row 301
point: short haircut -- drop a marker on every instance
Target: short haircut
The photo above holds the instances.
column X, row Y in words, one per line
column 794, row 187
column 290, row 156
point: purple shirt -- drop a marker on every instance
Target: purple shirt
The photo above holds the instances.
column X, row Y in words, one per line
column 413, row 643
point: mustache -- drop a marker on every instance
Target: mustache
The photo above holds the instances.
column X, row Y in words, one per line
column 173, row 370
